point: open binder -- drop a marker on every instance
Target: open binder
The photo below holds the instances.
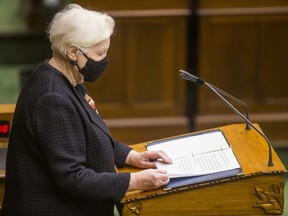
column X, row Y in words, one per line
column 197, row 158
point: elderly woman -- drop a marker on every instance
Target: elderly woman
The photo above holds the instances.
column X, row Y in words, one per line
column 61, row 156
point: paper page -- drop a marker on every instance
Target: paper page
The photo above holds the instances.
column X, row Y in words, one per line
column 194, row 144
column 201, row 164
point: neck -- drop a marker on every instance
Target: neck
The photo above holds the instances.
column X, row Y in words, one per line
column 68, row 70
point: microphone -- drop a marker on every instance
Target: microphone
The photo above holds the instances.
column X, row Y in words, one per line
column 187, row 76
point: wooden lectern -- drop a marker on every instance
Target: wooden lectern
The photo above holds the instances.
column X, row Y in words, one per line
column 259, row 191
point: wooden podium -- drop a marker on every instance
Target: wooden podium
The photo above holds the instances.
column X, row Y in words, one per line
column 259, row 191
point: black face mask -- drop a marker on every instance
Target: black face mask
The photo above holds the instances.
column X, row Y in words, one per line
column 92, row 69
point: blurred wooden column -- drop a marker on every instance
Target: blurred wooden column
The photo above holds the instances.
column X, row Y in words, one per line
column 140, row 94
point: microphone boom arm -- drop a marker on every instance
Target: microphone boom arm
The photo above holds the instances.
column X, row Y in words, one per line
column 199, row 81
column 235, row 99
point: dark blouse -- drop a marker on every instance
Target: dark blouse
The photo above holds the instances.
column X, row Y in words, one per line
column 61, row 155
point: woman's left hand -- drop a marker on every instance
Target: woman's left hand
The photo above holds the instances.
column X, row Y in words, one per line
column 146, row 159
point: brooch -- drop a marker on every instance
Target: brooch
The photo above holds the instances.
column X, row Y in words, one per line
column 91, row 102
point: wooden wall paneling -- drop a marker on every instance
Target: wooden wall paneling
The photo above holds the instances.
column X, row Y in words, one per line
column 273, row 63
column 144, row 60
column 245, row 55
column 227, row 60
column 141, row 95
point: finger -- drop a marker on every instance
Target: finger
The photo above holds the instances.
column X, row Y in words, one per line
column 164, row 157
column 164, row 178
column 165, row 182
column 151, row 154
column 149, row 164
column 156, row 155
column 162, row 172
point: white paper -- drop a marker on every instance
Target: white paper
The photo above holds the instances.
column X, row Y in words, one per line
column 195, row 144
column 197, row 155
column 202, row 164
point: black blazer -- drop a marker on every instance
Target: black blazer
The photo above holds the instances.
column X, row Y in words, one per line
column 61, row 155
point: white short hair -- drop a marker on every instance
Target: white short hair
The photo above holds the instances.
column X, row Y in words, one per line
column 76, row 25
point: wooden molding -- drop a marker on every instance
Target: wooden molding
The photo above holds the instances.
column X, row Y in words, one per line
column 227, row 118
column 242, row 11
column 149, row 13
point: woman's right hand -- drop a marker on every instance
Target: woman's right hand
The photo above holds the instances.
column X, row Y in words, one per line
column 148, row 179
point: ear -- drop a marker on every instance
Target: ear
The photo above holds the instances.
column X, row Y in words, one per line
column 72, row 51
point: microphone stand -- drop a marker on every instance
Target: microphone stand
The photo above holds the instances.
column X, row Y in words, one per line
column 199, row 81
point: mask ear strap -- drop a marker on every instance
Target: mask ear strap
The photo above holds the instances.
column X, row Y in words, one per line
column 84, row 54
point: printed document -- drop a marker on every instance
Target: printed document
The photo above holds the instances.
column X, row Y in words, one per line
column 195, row 155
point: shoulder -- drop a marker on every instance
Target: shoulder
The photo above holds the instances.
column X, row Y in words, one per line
column 46, row 80
column 46, row 75
column 55, row 101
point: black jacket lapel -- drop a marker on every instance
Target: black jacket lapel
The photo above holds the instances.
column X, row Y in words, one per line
column 94, row 116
